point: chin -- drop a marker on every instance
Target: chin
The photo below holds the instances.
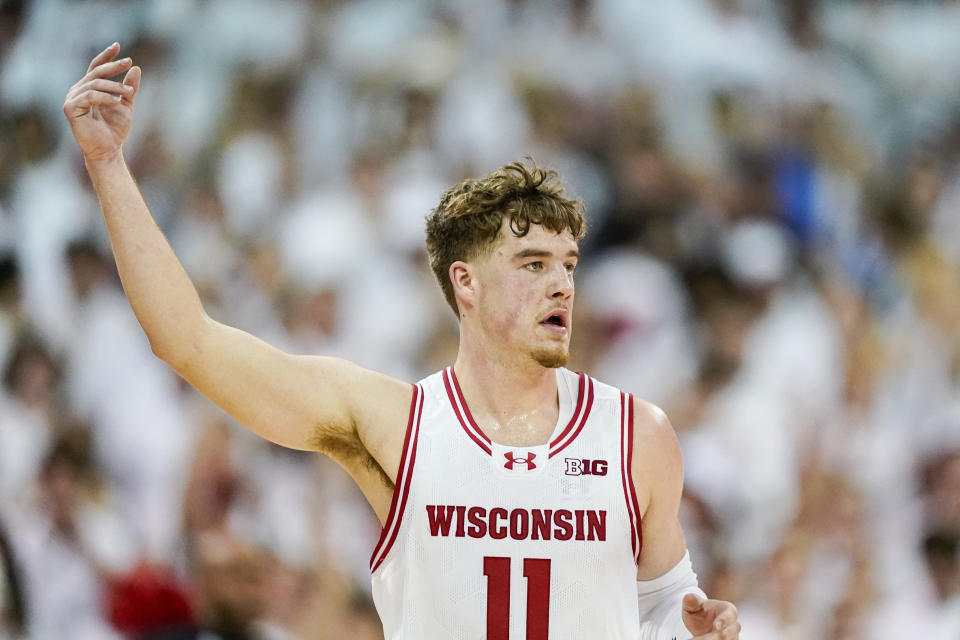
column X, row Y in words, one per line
column 551, row 358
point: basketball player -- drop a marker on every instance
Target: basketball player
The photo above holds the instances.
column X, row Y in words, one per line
column 518, row 499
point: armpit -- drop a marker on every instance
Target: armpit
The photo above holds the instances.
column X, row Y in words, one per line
column 347, row 450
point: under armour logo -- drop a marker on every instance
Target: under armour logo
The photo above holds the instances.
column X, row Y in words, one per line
column 512, row 460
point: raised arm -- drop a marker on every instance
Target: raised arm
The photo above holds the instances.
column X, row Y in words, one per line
column 301, row 402
column 670, row 599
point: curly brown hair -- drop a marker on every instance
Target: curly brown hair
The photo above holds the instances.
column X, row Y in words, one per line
column 466, row 223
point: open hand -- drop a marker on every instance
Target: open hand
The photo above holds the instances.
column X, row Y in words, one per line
column 100, row 110
column 710, row 619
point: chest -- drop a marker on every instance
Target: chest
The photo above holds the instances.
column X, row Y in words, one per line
column 578, row 464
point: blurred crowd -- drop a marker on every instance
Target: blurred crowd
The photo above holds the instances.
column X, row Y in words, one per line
column 773, row 256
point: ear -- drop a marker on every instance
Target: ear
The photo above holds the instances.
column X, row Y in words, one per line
column 462, row 277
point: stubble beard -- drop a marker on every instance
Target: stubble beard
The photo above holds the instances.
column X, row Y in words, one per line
column 551, row 358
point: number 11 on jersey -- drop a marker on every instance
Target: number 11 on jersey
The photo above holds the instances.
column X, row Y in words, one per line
column 537, row 573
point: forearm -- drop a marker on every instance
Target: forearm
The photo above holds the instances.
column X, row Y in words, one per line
column 163, row 298
column 660, row 602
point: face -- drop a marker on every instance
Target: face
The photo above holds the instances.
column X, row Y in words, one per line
column 524, row 295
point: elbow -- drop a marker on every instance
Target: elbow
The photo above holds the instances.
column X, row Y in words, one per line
column 172, row 352
column 180, row 346
column 163, row 350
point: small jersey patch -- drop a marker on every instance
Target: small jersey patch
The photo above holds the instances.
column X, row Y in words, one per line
column 585, row 467
column 520, row 462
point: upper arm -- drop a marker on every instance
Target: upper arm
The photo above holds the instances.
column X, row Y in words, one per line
column 303, row 402
column 658, row 479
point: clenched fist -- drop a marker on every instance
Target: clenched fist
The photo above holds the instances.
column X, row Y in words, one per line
column 100, row 110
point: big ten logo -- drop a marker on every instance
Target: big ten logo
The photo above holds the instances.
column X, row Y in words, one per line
column 585, row 467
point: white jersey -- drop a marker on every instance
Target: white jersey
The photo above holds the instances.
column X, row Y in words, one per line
column 488, row 542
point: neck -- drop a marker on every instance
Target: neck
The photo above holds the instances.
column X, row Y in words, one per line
column 514, row 402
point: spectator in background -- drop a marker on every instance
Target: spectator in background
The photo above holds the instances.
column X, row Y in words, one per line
column 29, row 407
column 69, row 543
column 225, row 595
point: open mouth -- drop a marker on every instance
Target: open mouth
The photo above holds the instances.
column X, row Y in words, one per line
column 556, row 321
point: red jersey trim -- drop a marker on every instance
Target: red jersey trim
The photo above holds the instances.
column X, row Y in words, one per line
column 626, row 473
column 569, row 433
column 462, row 411
column 401, row 488
column 576, row 412
column 580, row 415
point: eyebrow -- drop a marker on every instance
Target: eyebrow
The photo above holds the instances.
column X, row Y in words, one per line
column 543, row 253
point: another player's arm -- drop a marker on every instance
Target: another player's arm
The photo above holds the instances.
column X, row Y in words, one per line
column 296, row 401
column 658, row 479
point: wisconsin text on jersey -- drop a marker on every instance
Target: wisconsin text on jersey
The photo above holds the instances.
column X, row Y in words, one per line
column 518, row 524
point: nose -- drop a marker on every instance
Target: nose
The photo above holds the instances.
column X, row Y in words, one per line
column 561, row 286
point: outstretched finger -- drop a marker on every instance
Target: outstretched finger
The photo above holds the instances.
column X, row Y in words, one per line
column 109, row 69
column 132, row 80
column 104, row 56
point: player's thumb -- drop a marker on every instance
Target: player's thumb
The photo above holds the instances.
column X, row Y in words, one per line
column 692, row 603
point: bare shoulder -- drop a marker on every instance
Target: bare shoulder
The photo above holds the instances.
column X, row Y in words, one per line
column 382, row 414
column 369, row 447
column 657, row 462
column 652, row 430
column 378, row 407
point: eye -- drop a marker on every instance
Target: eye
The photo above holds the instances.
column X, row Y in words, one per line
column 534, row 266
column 570, row 267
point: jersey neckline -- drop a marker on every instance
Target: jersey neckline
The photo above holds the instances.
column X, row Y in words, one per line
column 559, row 439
